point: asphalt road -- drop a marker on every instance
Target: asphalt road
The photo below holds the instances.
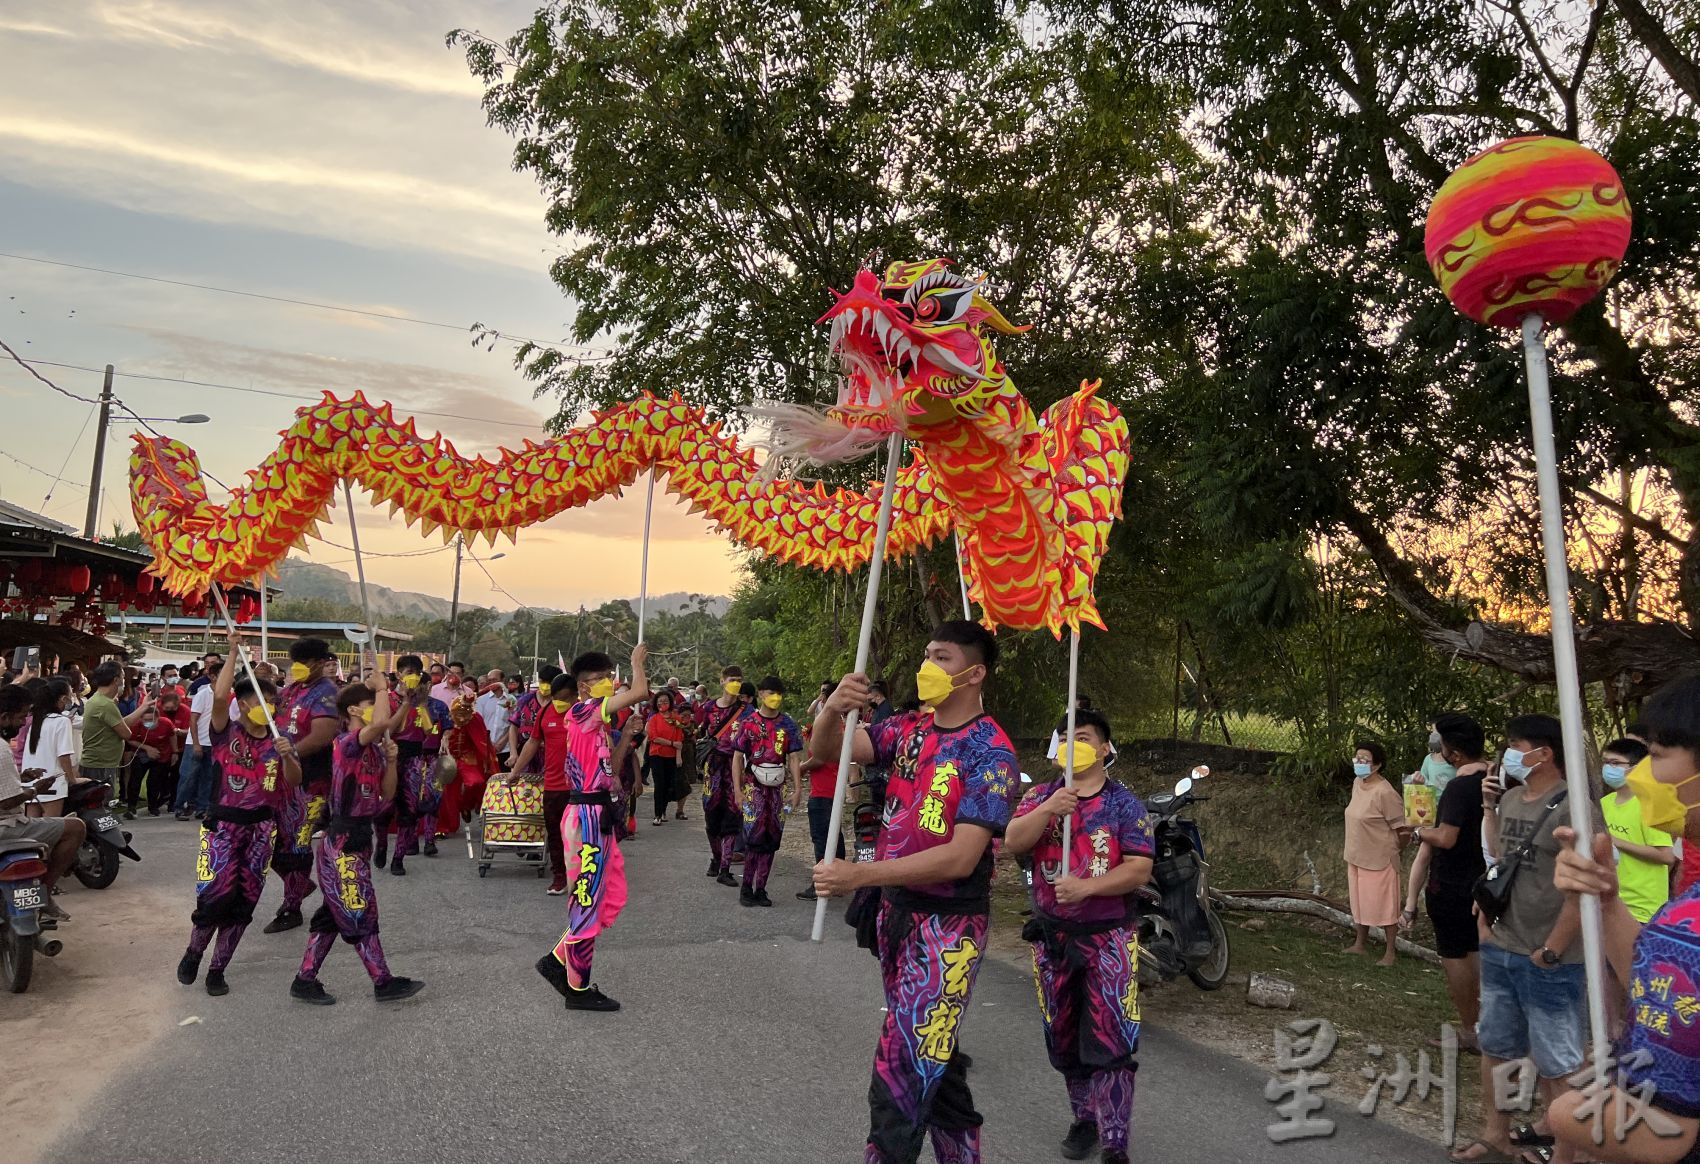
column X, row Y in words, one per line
column 740, row 1040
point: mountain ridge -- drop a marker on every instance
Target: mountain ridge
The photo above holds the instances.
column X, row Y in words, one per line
column 302, row 579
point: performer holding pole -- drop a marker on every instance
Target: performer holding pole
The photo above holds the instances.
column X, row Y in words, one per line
column 307, row 714
column 579, row 735
column 1085, row 932
column 256, row 770
column 922, row 904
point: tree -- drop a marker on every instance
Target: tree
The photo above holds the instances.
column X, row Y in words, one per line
column 1328, row 388
column 713, row 169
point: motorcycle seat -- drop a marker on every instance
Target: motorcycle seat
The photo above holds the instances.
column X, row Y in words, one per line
column 21, row 844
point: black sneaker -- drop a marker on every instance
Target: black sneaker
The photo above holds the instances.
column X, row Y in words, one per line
column 714, row 868
column 1081, row 1139
column 808, row 894
column 590, row 998
column 286, row 919
column 745, row 897
column 180, row 814
column 762, row 898
column 215, row 983
column 188, row 967
column 397, row 868
column 726, row 878
column 130, row 813
column 397, row 989
column 313, row 992
column 380, row 856
column 430, row 848
column 554, row 974
column 1111, row 1156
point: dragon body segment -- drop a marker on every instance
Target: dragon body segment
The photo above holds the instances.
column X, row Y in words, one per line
column 1032, row 499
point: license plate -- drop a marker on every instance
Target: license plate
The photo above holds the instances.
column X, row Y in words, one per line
column 105, row 824
column 864, row 854
column 28, row 897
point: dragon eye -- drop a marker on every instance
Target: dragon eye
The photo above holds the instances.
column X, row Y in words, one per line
column 943, row 306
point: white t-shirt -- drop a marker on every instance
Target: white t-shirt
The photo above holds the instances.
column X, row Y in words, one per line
column 493, row 710
column 55, row 741
column 200, row 707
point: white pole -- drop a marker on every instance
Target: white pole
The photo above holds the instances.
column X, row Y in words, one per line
column 1564, row 672
column 1068, row 738
column 962, row 579
column 242, row 654
column 643, row 575
column 360, row 569
column 864, row 648
column 265, row 628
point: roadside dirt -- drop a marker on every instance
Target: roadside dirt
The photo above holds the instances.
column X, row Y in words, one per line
column 96, row 1007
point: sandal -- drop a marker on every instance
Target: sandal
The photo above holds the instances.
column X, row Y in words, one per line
column 1525, row 1136
column 1536, row 1154
column 1490, row 1154
column 1407, row 919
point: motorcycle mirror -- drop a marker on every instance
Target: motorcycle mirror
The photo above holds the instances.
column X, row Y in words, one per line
column 1184, row 787
column 1200, row 772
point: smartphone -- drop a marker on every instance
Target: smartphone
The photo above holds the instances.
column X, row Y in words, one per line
column 26, row 657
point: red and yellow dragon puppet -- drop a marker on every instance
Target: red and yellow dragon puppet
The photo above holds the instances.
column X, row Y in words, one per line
column 1032, row 498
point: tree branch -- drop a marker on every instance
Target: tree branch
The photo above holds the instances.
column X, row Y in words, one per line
column 1645, row 27
column 1641, row 657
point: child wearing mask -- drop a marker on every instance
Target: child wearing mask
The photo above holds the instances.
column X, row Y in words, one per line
column 1644, row 854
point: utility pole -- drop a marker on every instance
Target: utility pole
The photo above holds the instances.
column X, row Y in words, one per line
column 454, row 602
column 93, row 517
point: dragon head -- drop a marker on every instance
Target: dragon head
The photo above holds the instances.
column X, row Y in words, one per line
column 915, row 347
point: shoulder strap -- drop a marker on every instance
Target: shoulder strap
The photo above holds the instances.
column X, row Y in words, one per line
column 1528, row 845
column 731, row 713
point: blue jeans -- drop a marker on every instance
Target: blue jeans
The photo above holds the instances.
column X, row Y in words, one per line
column 820, row 814
column 194, row 781
column 1530, row 1012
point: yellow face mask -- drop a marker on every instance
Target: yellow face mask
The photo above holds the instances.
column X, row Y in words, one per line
column 365, row 713
column 602, row 689
column 561, row 706
column 773, row 701
column 1085, row 755
column 258, row 714
column 1661, row 808
column 732, row 687
column 410, row 681
column 933, row 684
column 298, row 672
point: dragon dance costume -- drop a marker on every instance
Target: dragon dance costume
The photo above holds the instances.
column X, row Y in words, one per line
column 596, row 871
column 304, row 810
column 1086, row 957
column 766, row 743
column 930, row 938
column 419, row 740
column 349, row 903
column 720, row 816
column 236, row 842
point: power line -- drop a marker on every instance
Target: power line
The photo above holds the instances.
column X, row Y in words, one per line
column 37, row 469
column 392, row 316
column 246, row 390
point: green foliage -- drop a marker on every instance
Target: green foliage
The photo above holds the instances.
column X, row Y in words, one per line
column 1217, row 206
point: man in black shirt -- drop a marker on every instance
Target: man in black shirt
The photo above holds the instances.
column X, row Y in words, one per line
column 1455, row 862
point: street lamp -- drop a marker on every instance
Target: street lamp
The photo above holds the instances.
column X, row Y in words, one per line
column 454, row 602
column 91, row 519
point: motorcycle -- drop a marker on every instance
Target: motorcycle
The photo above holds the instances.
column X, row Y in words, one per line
column 23, row 930
column 105, row 840
column 1179, row 932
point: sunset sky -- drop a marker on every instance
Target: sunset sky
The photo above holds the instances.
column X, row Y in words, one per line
column 320, row 151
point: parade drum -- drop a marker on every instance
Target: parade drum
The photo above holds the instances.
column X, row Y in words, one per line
column 513, row 813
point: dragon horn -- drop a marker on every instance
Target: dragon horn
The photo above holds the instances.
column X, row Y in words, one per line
column 996, row 318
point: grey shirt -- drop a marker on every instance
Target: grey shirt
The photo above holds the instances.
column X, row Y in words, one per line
column 10, row 785
column 1535, row 902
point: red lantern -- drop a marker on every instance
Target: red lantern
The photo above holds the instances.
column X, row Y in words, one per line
column 77, row 579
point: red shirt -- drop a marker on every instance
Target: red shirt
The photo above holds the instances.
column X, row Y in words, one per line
column 823, row 778
column 665, row 734
column 551, row 730
column 162, row 737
